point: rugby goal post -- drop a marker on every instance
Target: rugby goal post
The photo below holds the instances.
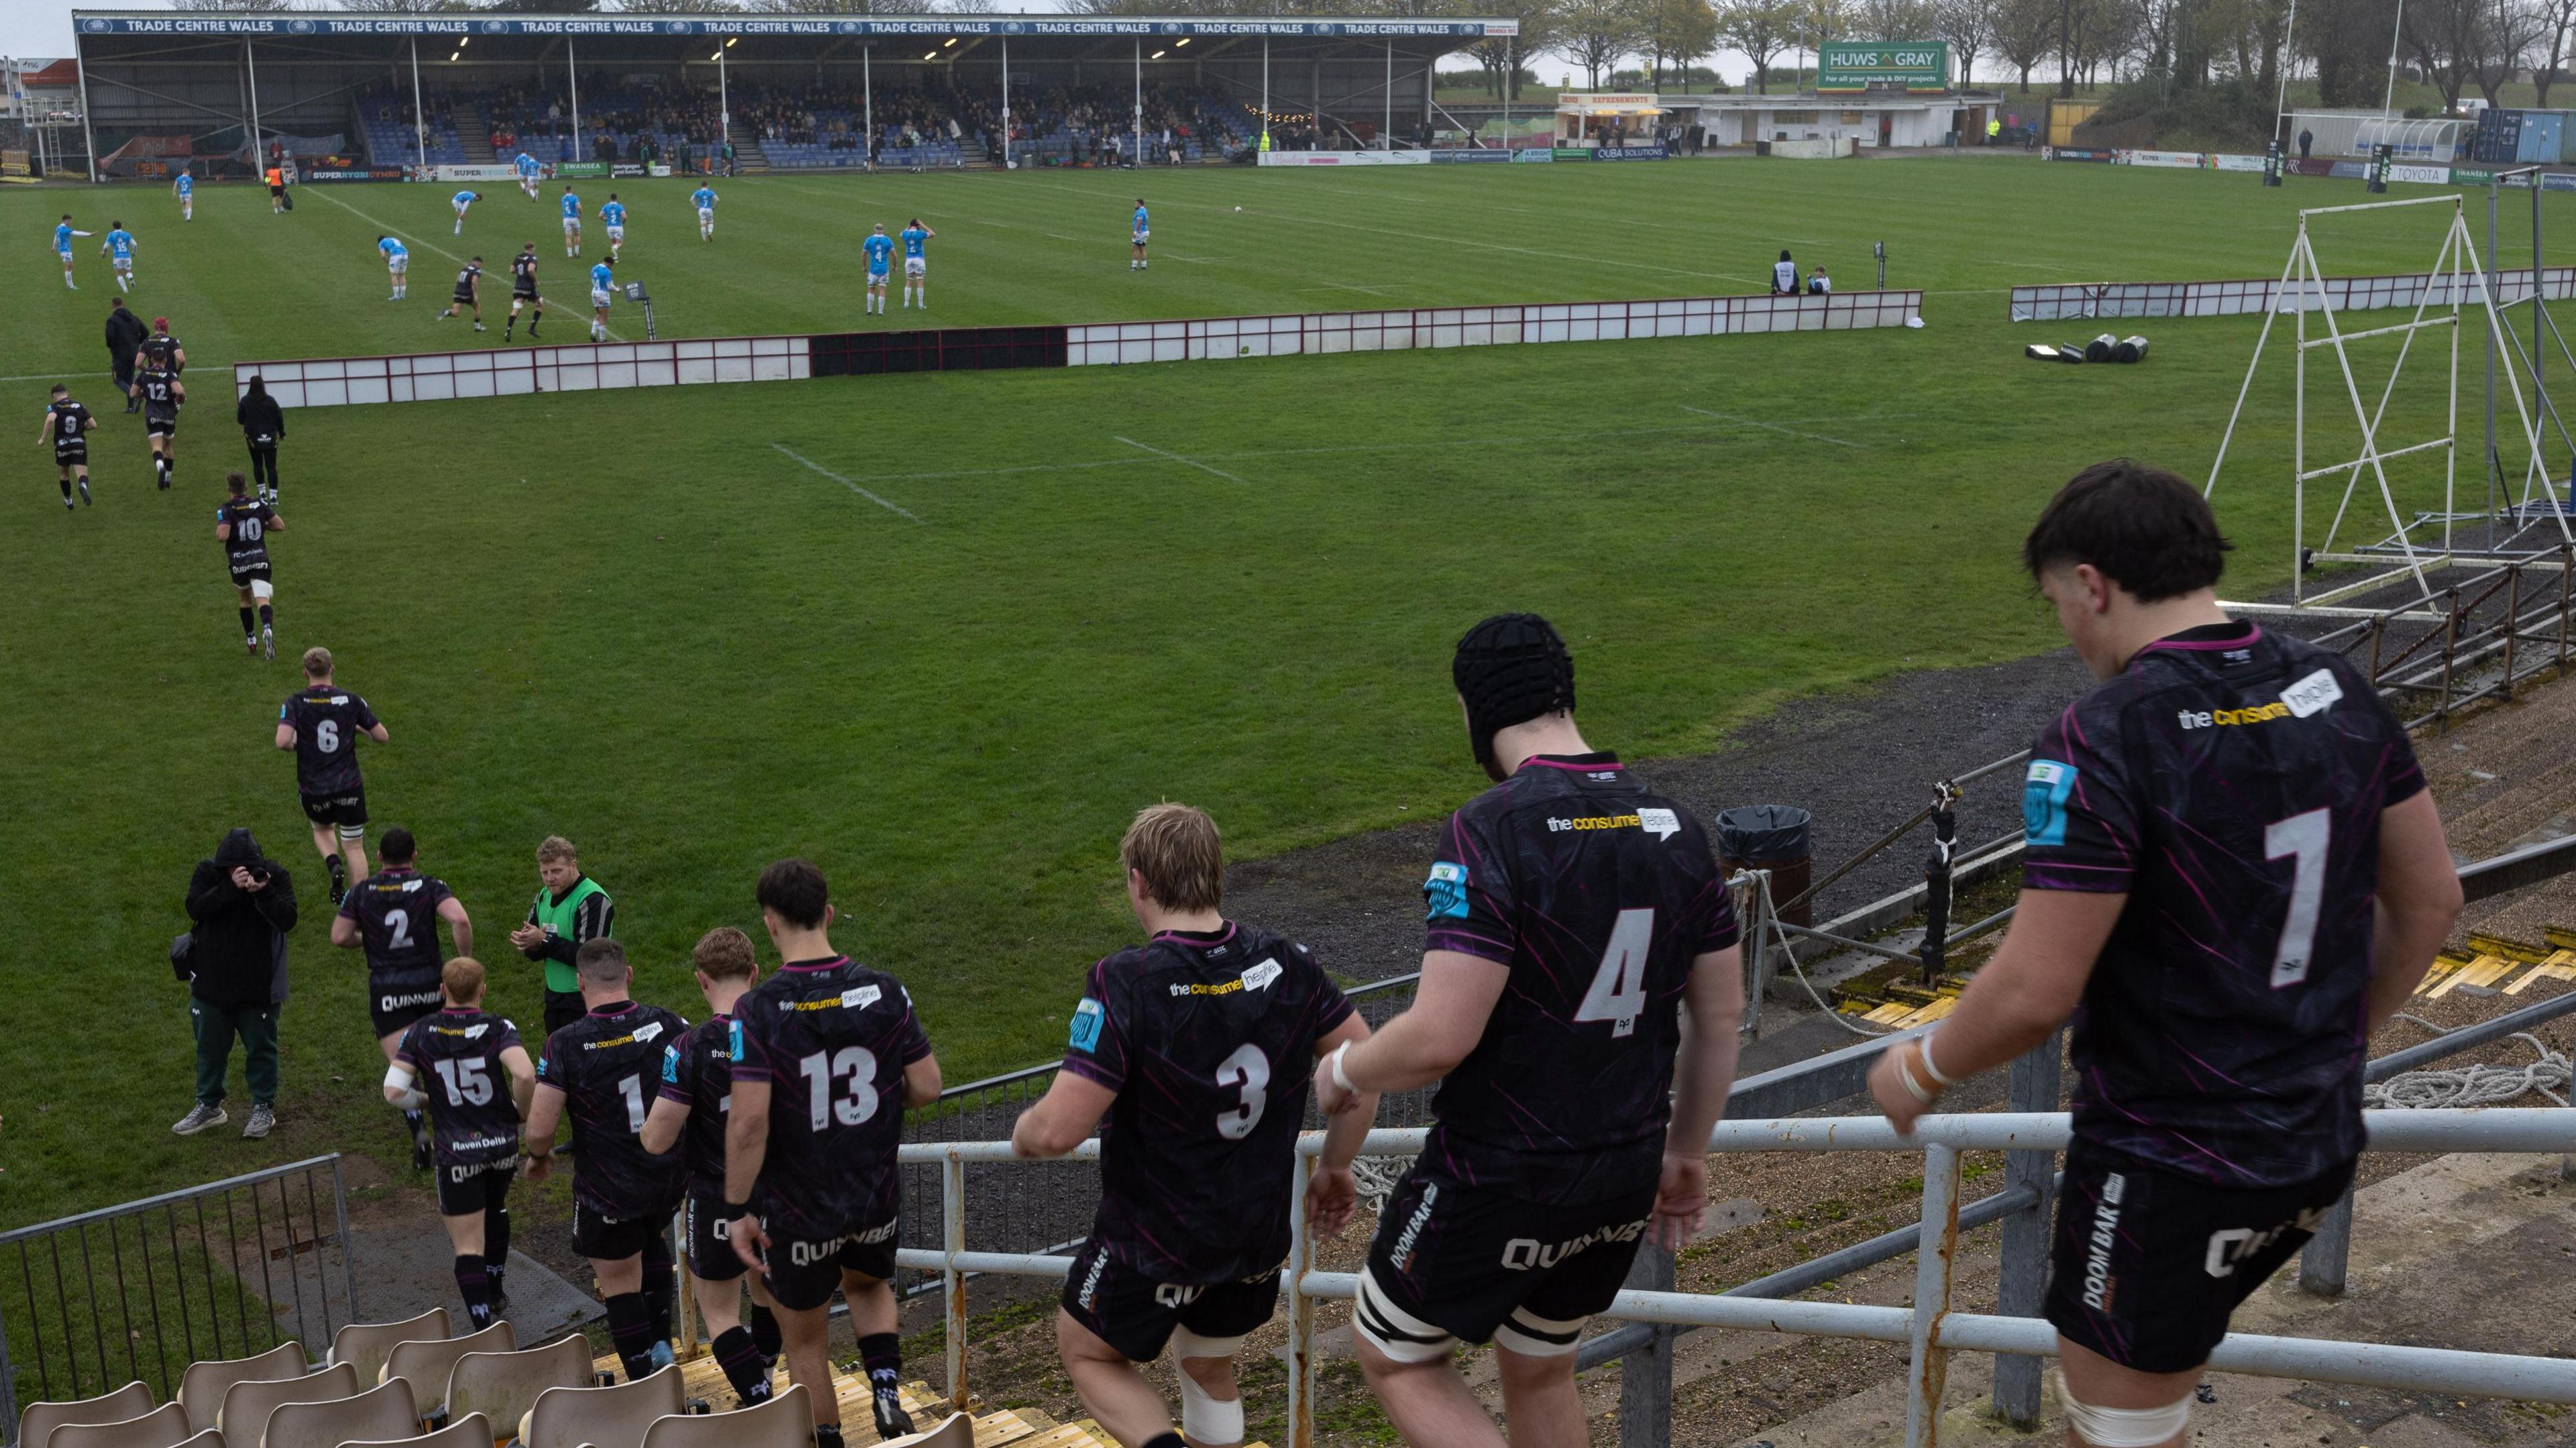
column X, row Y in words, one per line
column 2459, row 286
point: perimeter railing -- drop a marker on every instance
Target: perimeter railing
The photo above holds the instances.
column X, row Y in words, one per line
column 139, row 1291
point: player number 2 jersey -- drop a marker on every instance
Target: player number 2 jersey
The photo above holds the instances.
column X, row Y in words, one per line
column 455, row 1057
column 396, row 910
column 2229, row 782
column 608, row 1064
column 831, row 1037
column 1597, row 893
column 327, row 720
column 1209, row 1041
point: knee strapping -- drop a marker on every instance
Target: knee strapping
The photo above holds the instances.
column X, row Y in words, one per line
column 2123, row 1427
column 1206, row 1418
column 1397, row 1334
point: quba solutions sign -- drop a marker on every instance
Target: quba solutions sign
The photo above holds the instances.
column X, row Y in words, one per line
column 1915, row 65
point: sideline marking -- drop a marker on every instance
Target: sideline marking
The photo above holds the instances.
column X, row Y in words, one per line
column 432, row 246
column 845, row 482
column 1176, row 457
column 1773, row 426
column 54, row 376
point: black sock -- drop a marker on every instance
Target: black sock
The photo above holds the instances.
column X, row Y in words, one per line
column 630, row 1327
column 659, row 1283
column 250, row 622
column 67, row 488
column 827, row 1435
column 1164, row 1440
column 764, row 1332
column 496, row 1244
column 410, row 1118
column 882, row 1354
column 477, row 1288
column 743, row 1365
column 267, row 615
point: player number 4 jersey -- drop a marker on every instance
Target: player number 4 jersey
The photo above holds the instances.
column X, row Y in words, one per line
column 1597, row 893
column 831, row 1037
column 2230, row 783
column 1209, row 1042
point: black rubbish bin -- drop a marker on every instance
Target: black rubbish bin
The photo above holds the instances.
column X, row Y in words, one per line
column 1770, row 837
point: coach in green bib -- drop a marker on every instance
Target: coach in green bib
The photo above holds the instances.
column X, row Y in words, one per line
column 570, row 909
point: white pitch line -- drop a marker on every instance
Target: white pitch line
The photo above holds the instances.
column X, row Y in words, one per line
column 1773, row 426
column 392, row 230
column 54, row 376
column 845, row 482
column 1176, row 457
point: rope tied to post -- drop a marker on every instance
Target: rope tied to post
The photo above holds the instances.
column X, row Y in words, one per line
column 2474, row 1085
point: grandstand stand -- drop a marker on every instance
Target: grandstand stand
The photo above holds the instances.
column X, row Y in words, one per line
column 383, row 122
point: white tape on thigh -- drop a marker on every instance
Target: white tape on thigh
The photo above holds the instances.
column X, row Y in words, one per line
column 262, row 589
column 1209, row 1419
column 1532, row 1336
column 1188, row 1344
column 1391, row 1330
column 2124, row 1427
column 353, row 832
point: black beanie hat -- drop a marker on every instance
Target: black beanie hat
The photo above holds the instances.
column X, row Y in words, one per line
column 1510, row 669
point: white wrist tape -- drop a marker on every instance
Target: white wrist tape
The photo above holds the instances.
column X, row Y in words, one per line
column 1906, row 1078
column 1923, row 1048
column 1342, row 1078
column 2124, row 1427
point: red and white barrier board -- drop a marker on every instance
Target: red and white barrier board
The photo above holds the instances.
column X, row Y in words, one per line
column 581, row 367
column 1327, row 332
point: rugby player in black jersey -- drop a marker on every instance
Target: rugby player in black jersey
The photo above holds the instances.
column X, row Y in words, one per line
column 242, row 525
column 321, row 723
column 827, row 1055
column 394, row 915
column 695, row 1102
column 67, row 428
column 468, row 1070
column 603, row 1071
column 523, row 292
column 1197, row 1046
column 1579, row 999
column 2234, row 876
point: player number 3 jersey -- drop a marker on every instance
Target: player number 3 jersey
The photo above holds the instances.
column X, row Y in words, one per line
column 831, row 1037
column 1597, row 893
column 2230, row 783
column 1209, row 1041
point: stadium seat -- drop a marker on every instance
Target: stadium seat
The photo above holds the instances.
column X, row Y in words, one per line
column 248, row 1405
column 957, row 1432
column 202, row 1387
column 426, row 1364
column 785, row 1421
column 503, row 1386
column 366, row 1345
column 41, row 1419
column 471, row 1431
column 163, row 1427
column 609, row 1417
column 380, row 1412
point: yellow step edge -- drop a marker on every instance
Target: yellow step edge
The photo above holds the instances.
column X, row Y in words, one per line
column 2507, row 947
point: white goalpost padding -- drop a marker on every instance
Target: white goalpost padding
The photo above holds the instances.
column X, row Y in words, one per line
column 2313, row 301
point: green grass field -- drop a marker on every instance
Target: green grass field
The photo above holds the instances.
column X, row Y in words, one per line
column 634, row 620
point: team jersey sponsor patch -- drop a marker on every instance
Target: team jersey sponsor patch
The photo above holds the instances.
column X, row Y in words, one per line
column 1087, row 1018
column 1444, row 893
column 2044, row 793
column 2314, row 694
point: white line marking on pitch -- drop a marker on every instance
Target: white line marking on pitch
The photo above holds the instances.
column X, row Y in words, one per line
column 1773, row 426
column 1176, row 457
column 55, row 376
column 391, row 230
column 845, row 482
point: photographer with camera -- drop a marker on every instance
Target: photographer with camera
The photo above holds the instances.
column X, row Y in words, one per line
column 234, row 960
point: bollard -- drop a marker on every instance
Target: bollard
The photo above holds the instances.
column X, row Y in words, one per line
column 1646, row 1373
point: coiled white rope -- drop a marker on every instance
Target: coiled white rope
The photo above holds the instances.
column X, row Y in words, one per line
column 2474, row 1085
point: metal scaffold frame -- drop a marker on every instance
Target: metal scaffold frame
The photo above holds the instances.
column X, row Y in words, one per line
column 2459, row 282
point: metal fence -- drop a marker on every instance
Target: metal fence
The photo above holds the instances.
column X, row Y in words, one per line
column 1929, row 1326
column 2472, row 642
column 139, row 1291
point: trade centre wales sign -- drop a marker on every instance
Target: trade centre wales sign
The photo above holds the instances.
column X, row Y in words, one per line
column 88, row 22
column 1915, row 65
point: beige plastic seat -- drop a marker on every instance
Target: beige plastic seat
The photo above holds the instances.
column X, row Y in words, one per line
column 163, row 1427
column 785, row 1421
column 247, row 1406
column 609, row 1417
column 202, row 1387
column 503, row 1386
column 211, row 1438
column 957, row 1432
column 366, row 1345
column 380, row 1412
column 471, row 1431
column 41, row 1419
column 426, row 1364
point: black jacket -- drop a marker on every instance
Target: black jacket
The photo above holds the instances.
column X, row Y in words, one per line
column 261, row 419
column 125, row 332
column 239, row 958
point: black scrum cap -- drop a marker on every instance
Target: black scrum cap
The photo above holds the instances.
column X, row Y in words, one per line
column 1510, row 668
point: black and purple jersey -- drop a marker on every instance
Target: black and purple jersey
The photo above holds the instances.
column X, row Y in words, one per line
column 72, row 426
column 697, row 1072
column 1209, row 1042
column 246, row 544
column 160, row 391
column 2229, row 782
column 831, row 1037
column 455, row 1057
column 396, row 910
column 608, row 1065
column 1597, row 893
column 327, row 720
